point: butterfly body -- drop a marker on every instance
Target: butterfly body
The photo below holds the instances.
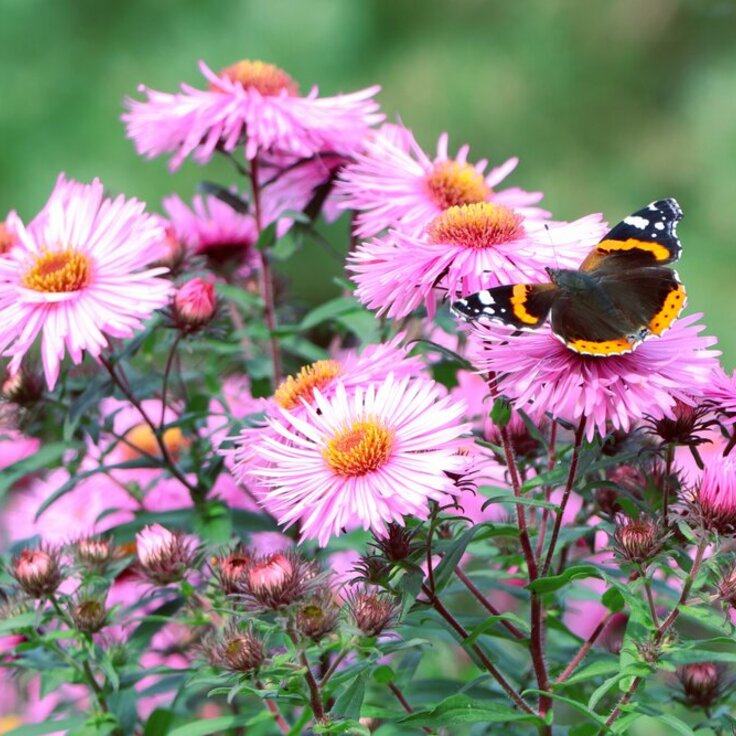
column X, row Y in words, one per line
column 622, row 294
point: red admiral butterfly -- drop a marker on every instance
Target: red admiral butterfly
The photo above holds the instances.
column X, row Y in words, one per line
column 621, row 295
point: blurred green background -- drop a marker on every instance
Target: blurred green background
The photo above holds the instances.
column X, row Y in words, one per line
column 608, row 104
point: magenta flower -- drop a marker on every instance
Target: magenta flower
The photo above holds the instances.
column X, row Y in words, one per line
column 250, row 104
column 542, row 376
column 77, row 275
column 368, row 457
column 720, row 393
column 715, row 496
column 393, row 183
column 465, row 249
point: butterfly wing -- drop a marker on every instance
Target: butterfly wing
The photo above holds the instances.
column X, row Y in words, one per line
column 522, row 306
column 646, row 238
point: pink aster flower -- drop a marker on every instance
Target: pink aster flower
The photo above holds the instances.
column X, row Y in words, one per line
column 369, row 457
column 720, row 393
column 465, row 249
column 393, row 183
column 715, row 496
column 542, row 376
column 250, row 104
column 77, row 274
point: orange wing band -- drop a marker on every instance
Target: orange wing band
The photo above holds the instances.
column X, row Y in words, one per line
column 607, row 347
column 659, row 252
column 518, row 302
column 673, row 305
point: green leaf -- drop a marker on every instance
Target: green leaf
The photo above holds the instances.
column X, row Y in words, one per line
column 607, row 666
column 329, row 310
column 463, row 709
column 491, row 621
column 218, row 725
column 46, row 456
column 613, row 600
column 384, row 674
column 158, row 722
column 48, row 726
column 555, row 582
column 452, row 556
column 22, row 620
column 579, row 707
column 453, row 356
column 350, row 700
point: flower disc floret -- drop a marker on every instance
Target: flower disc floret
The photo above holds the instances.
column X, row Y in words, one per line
column 480, row 225
column 455, row 183
column 58, row 272
column 266, row 78
column 363, row 447
column 295, row 389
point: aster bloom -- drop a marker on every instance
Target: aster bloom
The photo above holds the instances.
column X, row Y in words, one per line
column 720, row 395
column 78, row 273
column 367, row 457
column 393, row 183
column 714, row 499
column 541, row 376
column 251, row 104
column 464, row 249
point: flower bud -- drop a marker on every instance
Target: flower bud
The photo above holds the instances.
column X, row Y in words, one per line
column 278, row 580
column 701, row 682
column 231, row 570
column 318, row 616
column 637, row 540
column 235, row 650
column 38, row 571
column 89, row 614
column 714, row 502
column 397, row 544
column 372, row 569
column 727, row 589
column 194, row 304
column 172, row 249
column 372, row 612
column 164, row 557
column 94, row 553
column 24, row 387
column 683, row 426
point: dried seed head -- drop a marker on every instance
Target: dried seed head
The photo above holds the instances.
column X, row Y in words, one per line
column 684, row 427
column 372, row 569
column 397, row 544
column 38, row 571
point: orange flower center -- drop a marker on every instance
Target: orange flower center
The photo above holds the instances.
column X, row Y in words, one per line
column 452, row 183
column 140, row 440
column 7, row 239
column 59, row 272
column 480, row 225
column 268, row 79
column 359, row 449
column 295, row 388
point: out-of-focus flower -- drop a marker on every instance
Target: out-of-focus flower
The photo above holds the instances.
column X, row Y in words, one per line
column 393, row 183
column 23, row 388
column 372, row 611
column 8, row 239
column 78, row 273
column 701, row 682
column 194, row 304
column 94, row 553
column 368, row 457
column 252, row 102
column 235, row 650
column 164, row 556
column 542, row 376
column 714, row 499
column 38, row 571
column 89, row 613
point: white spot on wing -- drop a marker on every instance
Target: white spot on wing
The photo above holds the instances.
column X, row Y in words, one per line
column 659, row 225
column 639, row 222
column 484, row 297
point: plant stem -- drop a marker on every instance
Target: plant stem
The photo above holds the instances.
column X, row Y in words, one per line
column 172, row 467
column 167, row 371
column 266, row 277
column 542, row 531
column 404, row 703
column 458, row 627
column 565, row 496
column 650, row 599
column 334, row 665
column 468, row 583
column 315, row 696
column 281, row 722
column 669, row 457
column 584, row 649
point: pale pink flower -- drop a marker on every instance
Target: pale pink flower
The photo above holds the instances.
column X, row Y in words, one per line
column 250, row 104
column 720, row 393
column 715, row 495
column 465, row 249
column 8, row 238
column 542, row 376
column 368, row 457
column 78, row 274
column 394, row 184
column 15, row 446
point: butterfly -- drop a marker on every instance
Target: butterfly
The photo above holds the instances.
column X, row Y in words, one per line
column 623, row 293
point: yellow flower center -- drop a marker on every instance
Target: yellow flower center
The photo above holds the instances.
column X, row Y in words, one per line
column 295, row 388
column 140, row 440
column 480, row 225
column 268, row 79
column 59, row 272
column 359, row 449
column 7, row 239
column 452, row 183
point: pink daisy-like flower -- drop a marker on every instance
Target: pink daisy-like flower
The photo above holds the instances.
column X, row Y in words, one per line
column 715, row 496
column 369, row 457
column 250, row 103
column 465, row 249
column 77, row 274
column 393, row 183
column 542, row 376
column 720, row 393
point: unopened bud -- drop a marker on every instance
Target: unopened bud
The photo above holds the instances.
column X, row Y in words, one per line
column 397, row 544
column 318, row 616
column 701, row 682
column 24, row 387
column 372, row 569
column 94, row 553
column 278, row 580
column 372, row 612
column 637, row 540
column 684, row 426
column 235, row 650
column 164, row 556
column 38, row 571
column 231, row 570
column 89, row 614
column 194, row 304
